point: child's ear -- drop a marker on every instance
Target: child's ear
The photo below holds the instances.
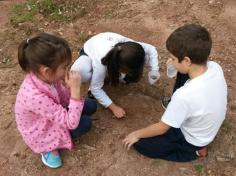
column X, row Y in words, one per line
column 45, row 71
column 187, row 60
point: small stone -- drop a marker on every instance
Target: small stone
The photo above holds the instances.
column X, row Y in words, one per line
column 90, row 32
column 182, row 168
column 211, row 1
column 102, row 127
column 89, row 147
column 223, row 159
column 59, row 12
column 15, row 154
column 28, row 7
column 191, row 2
column 5, row 60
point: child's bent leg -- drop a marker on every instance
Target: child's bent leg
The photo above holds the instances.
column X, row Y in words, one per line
column 180, row 80
column 84, row 126
column 155, row 147
column 84, row 66
column 169, row 146
column 90, row 106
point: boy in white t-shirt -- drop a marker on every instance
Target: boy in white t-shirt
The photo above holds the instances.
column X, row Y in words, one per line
column 197, row 109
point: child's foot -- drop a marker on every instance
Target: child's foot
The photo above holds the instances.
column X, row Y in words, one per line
column 165, row 101
column 202, row 152
column 52, row 159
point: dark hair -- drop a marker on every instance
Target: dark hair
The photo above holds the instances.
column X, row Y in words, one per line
column 128, row 55
column 44, row 49
column 191, row 40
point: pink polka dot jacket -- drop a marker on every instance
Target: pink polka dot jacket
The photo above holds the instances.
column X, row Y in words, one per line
column 42, row 117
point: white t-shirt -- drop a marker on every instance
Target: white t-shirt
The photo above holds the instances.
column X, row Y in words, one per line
column 97, row 47
column 198, row 108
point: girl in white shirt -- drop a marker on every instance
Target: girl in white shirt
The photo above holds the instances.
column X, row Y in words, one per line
column 118, row 58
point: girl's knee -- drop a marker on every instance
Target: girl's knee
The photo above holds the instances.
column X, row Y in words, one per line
column 93, row 106
column 86, row 122
column 84, row 66
column 90, row 106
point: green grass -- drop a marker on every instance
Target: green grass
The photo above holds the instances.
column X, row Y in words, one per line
column 82, row 37
column 199, row 168
column 51, row 10
column 21, row 13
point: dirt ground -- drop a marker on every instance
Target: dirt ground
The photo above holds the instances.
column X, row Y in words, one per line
column 100, row 152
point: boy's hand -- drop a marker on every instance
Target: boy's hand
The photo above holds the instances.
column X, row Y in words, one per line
column 131, row 139
column 117, row 111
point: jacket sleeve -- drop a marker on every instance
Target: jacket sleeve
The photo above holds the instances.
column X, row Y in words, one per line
column 64, row 94
column 46, row 107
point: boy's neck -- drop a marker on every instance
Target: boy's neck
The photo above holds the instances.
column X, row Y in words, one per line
column 196, row 70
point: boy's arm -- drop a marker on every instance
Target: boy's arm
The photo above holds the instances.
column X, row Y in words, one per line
column 150, row 131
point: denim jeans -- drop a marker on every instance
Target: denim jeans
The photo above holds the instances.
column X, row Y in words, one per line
column 90, row 107
column 170, row 146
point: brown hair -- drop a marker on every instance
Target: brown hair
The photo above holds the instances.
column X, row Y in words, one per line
column 44, row 49
column 129, row 55
column 190, row 40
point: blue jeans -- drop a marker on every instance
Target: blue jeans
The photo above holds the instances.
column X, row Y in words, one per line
column 90, row 107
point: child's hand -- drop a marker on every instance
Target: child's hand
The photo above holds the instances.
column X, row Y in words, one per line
column 73, row 80
column 153, row 76
column 131, row 139
column 117, row 111
column 169, row 61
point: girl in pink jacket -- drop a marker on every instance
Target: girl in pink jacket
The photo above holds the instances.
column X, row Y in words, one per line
column 48, row 114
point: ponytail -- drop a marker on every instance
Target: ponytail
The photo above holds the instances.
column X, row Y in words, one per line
column 44, row 49
column 129, row 55
column 111, row 60
column 21, row 55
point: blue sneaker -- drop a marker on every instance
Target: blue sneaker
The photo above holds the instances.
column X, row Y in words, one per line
column 51, row 160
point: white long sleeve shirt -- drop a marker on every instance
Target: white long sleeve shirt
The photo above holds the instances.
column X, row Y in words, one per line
column 97, row 47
